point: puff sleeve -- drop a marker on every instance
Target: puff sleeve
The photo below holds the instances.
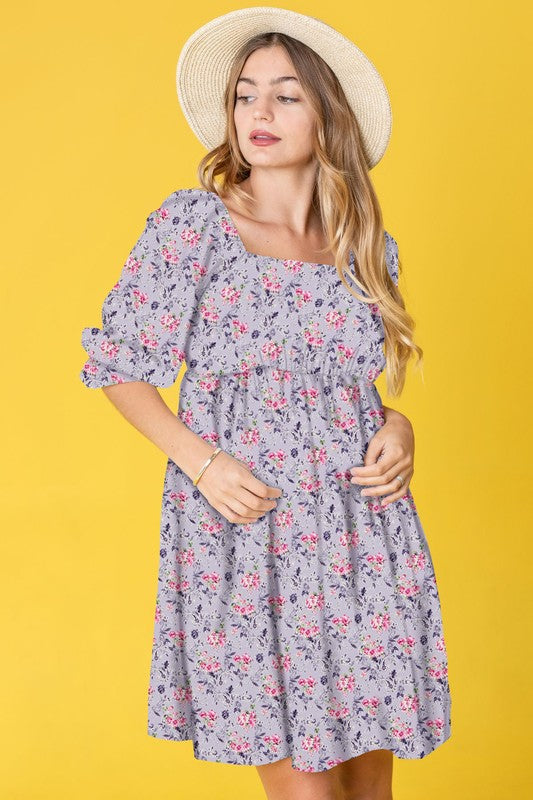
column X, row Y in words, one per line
column 148, row 313
column 391, row 256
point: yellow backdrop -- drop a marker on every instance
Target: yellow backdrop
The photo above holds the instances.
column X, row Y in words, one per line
column 93, row 140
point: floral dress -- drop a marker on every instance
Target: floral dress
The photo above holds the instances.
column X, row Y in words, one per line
column 315, row 632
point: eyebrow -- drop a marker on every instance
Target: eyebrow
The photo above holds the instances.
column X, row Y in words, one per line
column 272, row 82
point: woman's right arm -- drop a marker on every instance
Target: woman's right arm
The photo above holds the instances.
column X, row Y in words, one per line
column 227, row 483
column 142, row 405
column 147, row 319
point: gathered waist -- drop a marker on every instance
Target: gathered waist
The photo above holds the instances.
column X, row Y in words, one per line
column 277, row 373
column 339, row 398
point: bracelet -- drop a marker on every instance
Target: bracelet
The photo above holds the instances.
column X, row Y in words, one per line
column 205, row 466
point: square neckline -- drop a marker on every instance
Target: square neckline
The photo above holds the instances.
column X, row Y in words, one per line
column 259, row 255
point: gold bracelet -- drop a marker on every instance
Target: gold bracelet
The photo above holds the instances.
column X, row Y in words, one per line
column 205, row 466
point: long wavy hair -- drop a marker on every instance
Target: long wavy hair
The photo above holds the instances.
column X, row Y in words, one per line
column 344, row 196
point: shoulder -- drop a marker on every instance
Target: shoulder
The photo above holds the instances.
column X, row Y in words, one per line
column 192, row 209
column 187, row 233
column 187, row 203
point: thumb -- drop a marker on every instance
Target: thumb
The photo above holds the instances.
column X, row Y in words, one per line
column 373, row 452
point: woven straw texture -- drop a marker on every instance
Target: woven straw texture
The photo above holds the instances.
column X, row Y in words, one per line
column 205, row 59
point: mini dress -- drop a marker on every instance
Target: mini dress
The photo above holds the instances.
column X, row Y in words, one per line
column 316, row 632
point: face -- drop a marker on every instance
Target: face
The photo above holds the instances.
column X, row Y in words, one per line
column 279, row 107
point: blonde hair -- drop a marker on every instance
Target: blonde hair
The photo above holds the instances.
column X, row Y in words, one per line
column 344, row 196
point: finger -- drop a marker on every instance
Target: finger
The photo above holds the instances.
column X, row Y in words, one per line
column 395, row 495
column 233, row 517
column 391, row 483
column 254, row 503
column 378, row 479
column 386, row 488
column 381, row 473
column 375, row 452
column 388, row 497
column 369, row 469
column 258, row 488
column 246, row 504
column 379, row 468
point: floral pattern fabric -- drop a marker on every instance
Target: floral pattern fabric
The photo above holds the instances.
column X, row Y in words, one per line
column 315, row 632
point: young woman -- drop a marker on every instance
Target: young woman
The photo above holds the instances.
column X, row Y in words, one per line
column 298, row 624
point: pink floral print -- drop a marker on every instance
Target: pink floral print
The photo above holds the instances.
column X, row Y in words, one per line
column 315, row 633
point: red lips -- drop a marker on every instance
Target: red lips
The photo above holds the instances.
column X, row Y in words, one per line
column 263, row 133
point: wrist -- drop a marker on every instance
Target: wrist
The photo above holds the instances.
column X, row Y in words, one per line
column 205, row 465
column 190, row 452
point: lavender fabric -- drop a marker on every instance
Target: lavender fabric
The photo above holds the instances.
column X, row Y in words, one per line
column 316, row 632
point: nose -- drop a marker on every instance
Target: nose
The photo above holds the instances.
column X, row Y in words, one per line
column 262, row 113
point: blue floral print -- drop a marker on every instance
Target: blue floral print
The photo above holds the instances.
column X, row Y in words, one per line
column 315, row 632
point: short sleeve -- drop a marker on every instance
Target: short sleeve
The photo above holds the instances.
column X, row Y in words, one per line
column 391, row 256
column 148, row 313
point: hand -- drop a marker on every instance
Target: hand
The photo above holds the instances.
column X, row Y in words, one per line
column 394, row 446
column 231, row 488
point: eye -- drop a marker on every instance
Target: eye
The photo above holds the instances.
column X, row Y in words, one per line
column 280, row 96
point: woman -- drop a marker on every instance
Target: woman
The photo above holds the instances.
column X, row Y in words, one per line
column 298, row 624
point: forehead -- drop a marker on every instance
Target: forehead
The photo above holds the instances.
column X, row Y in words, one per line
column 268, row 65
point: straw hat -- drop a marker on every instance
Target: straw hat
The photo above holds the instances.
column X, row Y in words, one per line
column 205, row 59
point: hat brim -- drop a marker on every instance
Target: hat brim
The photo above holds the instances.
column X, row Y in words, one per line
column 204, row 64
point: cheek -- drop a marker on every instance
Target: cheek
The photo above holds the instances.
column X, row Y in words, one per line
column 304, row 135
column 303, row 125
column 238, row 117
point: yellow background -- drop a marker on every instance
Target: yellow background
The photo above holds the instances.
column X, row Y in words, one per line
column 93, row 140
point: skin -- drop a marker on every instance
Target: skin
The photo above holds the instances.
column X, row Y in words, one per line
column 366, row 777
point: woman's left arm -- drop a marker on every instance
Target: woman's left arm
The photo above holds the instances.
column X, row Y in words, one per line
column 390, row 453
